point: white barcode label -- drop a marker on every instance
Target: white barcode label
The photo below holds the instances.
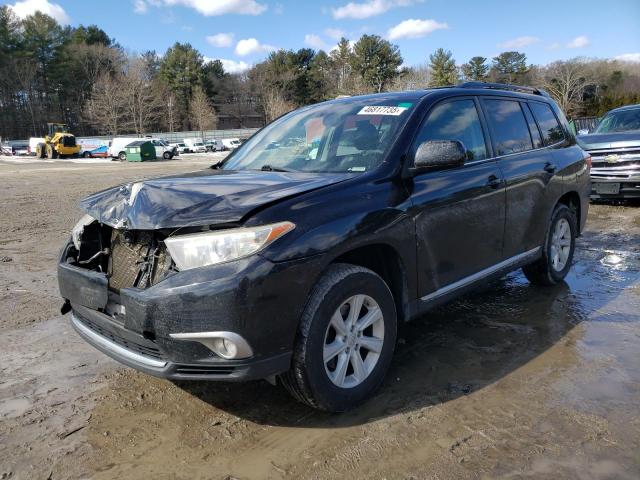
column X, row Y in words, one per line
column 381, row 110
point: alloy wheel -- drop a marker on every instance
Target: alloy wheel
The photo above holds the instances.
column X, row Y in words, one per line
column 353, row 341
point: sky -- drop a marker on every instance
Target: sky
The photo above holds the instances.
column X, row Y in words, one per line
column 243, row 32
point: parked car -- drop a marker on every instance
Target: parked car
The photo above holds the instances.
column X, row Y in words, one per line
column 195, row 144
column 214, row 146
column 118, row 144
column 21, row 149
column 279, row 263
column 181, row 148
column 231, row 143
column 615, row 151
column 93, row 147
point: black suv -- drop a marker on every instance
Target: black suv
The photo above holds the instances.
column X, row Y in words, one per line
column 295, row 259
column 615, row 149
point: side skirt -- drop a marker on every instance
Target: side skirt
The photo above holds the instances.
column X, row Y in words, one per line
column 470, row 283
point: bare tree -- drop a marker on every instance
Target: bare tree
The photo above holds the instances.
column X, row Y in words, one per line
column 143, row 106
column 107, row 104
column 25, row 71
column 202, row 111
column 566, row 82
column 275, row 104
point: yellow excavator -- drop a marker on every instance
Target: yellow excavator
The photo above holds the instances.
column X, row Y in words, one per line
column 58, row 142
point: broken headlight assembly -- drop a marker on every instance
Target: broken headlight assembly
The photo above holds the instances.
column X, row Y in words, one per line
column 210, row 248
column 76, row 233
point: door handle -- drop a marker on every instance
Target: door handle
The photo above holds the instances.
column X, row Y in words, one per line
column 550, row 167
column 493, row 182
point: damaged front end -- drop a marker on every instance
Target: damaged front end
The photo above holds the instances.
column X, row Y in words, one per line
column 119, row 258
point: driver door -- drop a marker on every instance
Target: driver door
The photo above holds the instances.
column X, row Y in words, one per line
column 459, row 213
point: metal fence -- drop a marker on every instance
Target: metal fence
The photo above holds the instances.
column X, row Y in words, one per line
column 584, row 123
column 174, row 137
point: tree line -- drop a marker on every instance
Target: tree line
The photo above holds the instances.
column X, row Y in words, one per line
column 83, row 77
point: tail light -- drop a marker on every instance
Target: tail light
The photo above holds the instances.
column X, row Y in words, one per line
column 589, row 162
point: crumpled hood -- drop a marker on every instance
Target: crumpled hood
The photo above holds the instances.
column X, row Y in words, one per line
column 199, row 198
column 597, row 141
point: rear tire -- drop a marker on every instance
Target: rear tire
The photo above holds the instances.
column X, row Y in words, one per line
column 558, row 249
column 41, row 150
column 340, row 359
column 122, row 156
column 86, row 155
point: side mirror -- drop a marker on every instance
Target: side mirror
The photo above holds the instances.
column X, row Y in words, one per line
column 438, row 154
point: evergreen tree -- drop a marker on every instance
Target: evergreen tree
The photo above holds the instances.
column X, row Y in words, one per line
column 443, row 68
column 476, row 69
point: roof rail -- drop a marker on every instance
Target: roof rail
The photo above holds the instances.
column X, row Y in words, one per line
column 505, row 86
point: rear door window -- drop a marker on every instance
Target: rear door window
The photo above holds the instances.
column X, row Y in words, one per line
column 455, row 120
column 508, row 126
column 533, row 127
column 549, row 126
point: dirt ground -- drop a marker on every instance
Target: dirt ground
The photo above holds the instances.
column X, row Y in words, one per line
column 510, row 382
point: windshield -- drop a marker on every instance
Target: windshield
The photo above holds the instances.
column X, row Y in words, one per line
column 623, row 121
column 346, row 136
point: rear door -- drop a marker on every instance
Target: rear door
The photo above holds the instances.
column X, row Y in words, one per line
column 528, row 167
column 459, row 213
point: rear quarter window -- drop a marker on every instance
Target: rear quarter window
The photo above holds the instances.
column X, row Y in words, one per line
column 508, row 126
column 549, row 125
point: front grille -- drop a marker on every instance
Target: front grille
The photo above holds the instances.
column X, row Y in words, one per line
column 129, row 344
column 136, row 260
column 205, row 369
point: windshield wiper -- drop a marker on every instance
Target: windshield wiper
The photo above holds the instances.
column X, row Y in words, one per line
column 269, row 168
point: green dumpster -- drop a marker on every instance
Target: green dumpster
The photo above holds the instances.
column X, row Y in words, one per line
column 140, row 150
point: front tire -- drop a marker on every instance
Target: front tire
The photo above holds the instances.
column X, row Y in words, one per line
column 558, row 249
column 122, row 156
column 166, row 155
column 345, row 341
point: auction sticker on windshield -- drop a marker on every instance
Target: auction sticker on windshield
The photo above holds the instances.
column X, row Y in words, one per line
column 381, row 110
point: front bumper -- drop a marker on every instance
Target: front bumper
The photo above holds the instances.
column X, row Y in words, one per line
column 253, row 297
column 629, row 184
column 142, row 354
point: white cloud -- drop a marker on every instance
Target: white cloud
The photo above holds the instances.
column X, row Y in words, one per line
column 140, row 7
column 369, row 8
column 314, row 41
column 212, row 8
column 629, row 57
column 519, row 42
column 351, row 45
column 29, row 7
column 553, row 46
column 579, row 42
column 233, row 66
column 220, row 40
column 249, row 46
column 414, row 28
column 230, row 66
column 334, row 33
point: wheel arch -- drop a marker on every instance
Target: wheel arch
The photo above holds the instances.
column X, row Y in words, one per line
column 385, row 261
column 572, row 200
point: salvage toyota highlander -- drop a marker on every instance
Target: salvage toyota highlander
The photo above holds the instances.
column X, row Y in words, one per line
column 295, row 259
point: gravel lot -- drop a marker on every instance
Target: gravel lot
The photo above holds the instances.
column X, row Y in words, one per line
column 511, row 382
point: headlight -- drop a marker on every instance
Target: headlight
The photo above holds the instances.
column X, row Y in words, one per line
column 76, row 233
column 209, row 248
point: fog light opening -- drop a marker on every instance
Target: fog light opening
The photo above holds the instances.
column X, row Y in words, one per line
column 225, row 348
column 228, row 345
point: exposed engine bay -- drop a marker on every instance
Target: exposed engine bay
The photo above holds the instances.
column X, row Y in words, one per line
column 130, row 258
